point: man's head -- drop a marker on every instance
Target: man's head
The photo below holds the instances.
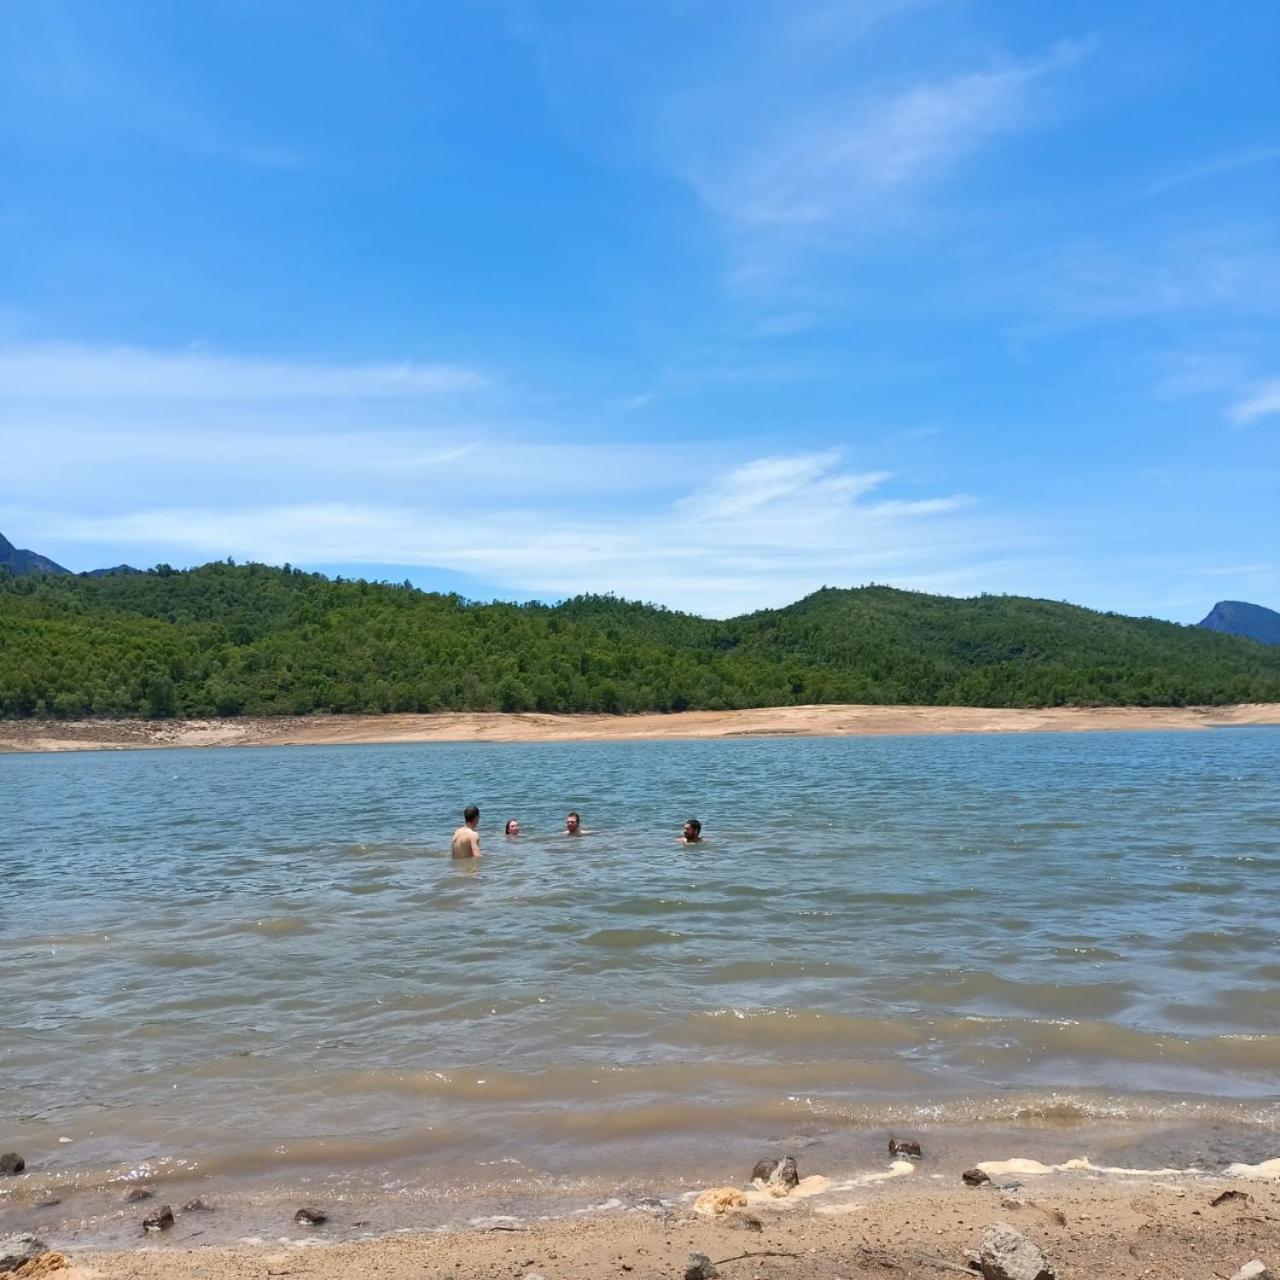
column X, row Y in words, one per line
column 572, row 823
column 513, row 827
column 693, row 831
column 471, row 815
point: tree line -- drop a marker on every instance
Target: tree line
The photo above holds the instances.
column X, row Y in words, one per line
column 227, row 640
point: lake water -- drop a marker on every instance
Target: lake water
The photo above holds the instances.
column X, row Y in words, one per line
column 252, row 972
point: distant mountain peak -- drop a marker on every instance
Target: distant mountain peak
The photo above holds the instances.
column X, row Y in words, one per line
column 1239, row 618
column 20, row 561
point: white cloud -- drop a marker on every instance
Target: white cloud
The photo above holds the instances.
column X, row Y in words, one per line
column 52, row 373
column 1261, row 402
column 1233, row 163
column 844, row 160
column 762, row 533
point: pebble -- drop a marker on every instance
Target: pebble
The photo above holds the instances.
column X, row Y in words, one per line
column 1255, row 1270
column 11, row 1164
column 1226, row 1196
column 310, row 1217
column 1007, row 1254
column 700, row 1267
column 161, row 1220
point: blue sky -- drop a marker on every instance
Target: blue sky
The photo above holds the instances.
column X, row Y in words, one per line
column 703, row 303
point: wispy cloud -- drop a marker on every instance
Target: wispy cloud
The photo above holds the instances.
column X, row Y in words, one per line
column 1261, row 402
column 843, row 160
column 53, row 373
column 1233, row 163
column 72, row 66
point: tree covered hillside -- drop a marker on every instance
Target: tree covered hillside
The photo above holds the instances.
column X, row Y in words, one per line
column 231, row 639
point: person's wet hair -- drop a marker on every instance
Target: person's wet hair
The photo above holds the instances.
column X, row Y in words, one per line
column 695, row 825
column 471, row 814
column 511, row 822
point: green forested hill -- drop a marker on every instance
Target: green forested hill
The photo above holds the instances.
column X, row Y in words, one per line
column 248, row 639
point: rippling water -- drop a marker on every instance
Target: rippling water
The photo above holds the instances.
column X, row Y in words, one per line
column 259, row 966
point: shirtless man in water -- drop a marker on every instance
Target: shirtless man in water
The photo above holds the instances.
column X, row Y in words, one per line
column 573, row 825
column 466, row 843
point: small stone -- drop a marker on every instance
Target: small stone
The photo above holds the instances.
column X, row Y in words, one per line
column 764, row 1170
column 1255, row 1270
column 50, row 1203
column 197, row 1206
column 15, row 1250
column 1007, row 1254
column 787, row 1174
column 137, row 1194
column 700, row 1267
column 1227, row 1196
column 742, row 1221
column 161, row 1220
column 905, row 1147
column 11, row 1164
column 974, row 1177
column 310, row 1217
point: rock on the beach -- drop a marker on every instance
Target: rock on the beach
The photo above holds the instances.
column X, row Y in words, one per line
column 161, row 1220
column 779, row 1175
column 197, row 1206
column 742, row 1221
column 1255, row 1270
column 1007, row 1254
column 15, row 1250
column 11, row 1163
column 905, row 1147
column 700, row 1267
column 975, row 1177
column 1227, row 1196
column 310, row 1217
column 136, row 1194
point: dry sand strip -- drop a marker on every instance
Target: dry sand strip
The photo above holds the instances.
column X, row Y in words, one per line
column 1095, row 1229
column 482, row 726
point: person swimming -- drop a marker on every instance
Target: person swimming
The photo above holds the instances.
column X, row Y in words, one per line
column 573, row 824
column 692, row 832
column 512, row 828
column 466, row 841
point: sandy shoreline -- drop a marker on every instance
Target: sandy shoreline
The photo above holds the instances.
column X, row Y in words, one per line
column 1087, row 1225
column 806, row 721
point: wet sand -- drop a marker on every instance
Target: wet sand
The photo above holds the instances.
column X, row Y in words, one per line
column 1087, row 1226
column 806, row 721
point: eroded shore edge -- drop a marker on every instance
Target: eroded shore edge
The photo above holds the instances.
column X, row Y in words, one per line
column 1154, row 1226
column 485, row 726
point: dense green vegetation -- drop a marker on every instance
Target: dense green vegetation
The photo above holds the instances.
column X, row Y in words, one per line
column 231, row 639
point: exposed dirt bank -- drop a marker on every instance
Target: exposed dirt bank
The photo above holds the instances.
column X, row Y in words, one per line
column 812, row 721
column 1101, row 1229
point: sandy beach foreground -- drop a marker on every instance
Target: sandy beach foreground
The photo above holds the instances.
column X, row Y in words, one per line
column 1087, row 1226
column 484, row 726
